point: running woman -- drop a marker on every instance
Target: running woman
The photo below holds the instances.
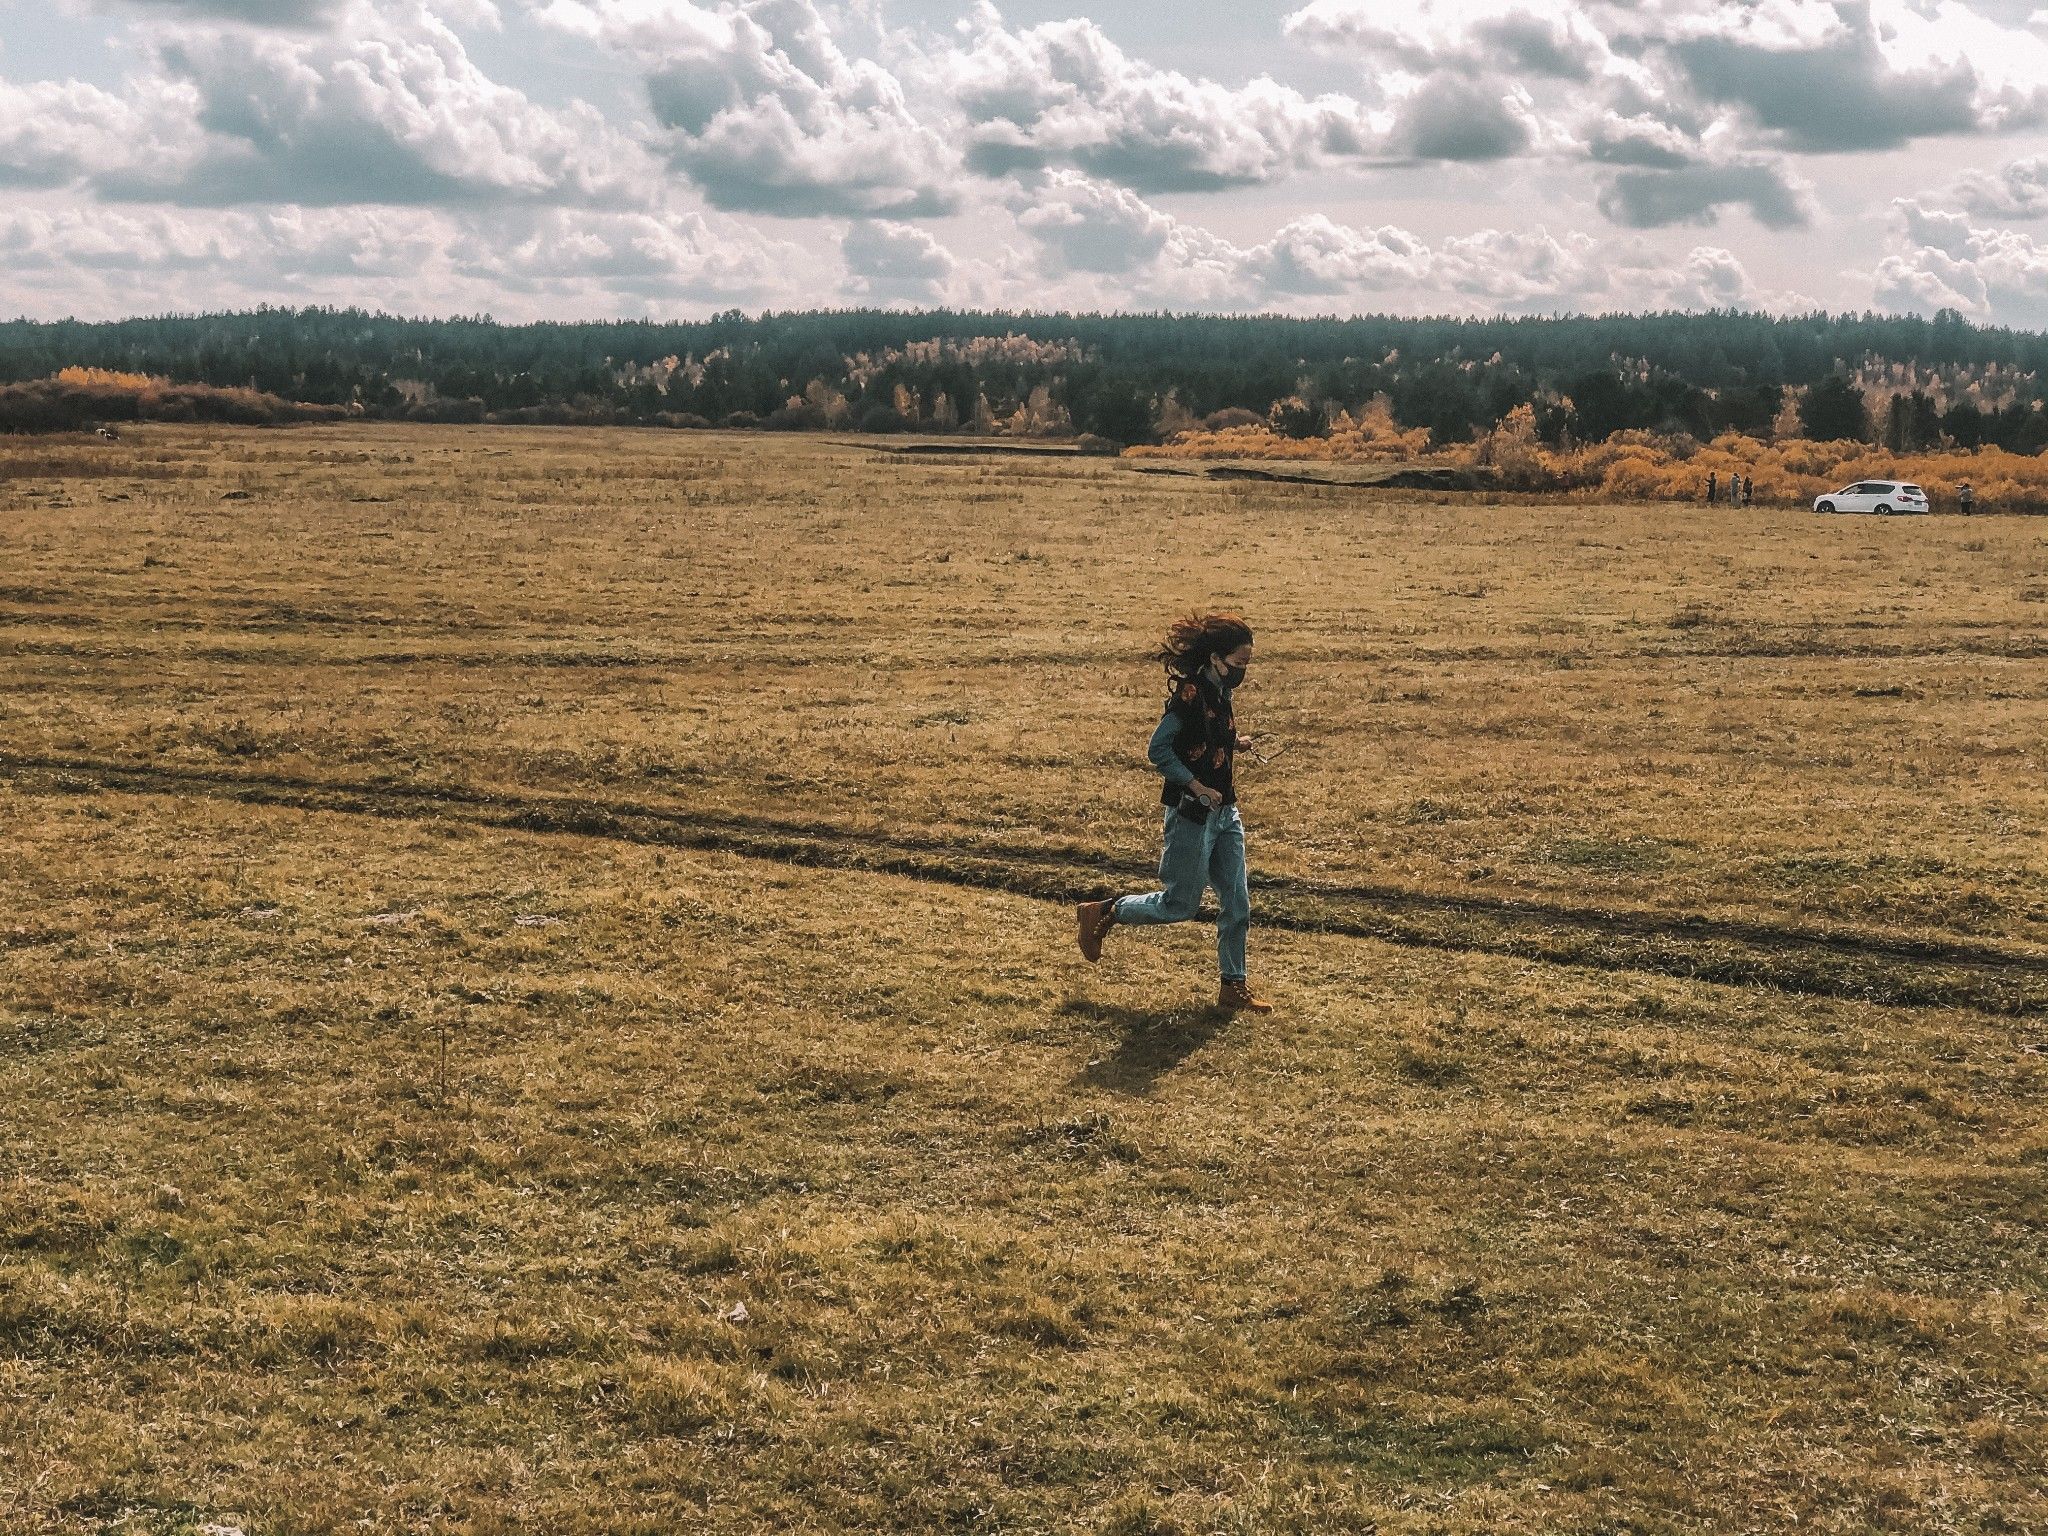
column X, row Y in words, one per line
column 1205, row 657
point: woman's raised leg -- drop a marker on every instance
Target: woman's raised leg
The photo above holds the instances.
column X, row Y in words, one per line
column 1183, row 870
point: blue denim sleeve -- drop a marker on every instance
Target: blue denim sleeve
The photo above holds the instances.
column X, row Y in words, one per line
column 1161, row 751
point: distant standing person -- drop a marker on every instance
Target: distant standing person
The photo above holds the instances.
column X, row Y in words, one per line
column 1966, row 499
column 1748, row 489
column 1205, row 657
column 1713, row 488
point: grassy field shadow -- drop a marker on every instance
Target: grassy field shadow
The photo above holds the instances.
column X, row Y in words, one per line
column 1149, row 1042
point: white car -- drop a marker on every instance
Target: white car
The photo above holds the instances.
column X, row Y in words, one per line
column 1883, row 497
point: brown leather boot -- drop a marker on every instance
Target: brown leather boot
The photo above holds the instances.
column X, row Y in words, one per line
column 1237, row 996
column 1092, row 922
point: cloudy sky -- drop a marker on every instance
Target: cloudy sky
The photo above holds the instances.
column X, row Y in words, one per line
column 584, row 158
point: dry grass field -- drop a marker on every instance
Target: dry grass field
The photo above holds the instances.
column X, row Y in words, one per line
column 537, row 994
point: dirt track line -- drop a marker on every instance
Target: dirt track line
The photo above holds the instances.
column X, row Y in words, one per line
column 1818, row 962
column 267, row 642
column 162, row 635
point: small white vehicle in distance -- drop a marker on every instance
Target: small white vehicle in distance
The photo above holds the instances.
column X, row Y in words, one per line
column 1883, row 497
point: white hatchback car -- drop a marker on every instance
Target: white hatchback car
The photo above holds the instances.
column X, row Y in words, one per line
column 1881, row 496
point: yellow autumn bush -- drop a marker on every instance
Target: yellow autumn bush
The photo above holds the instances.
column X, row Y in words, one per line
column 107, row 378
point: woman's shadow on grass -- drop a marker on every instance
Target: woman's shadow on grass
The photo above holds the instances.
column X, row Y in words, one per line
column 1149, row 1042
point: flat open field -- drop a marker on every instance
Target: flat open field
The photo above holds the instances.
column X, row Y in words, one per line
column 537, row 994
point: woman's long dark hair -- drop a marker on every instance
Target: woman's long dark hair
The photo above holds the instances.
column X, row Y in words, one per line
column 1191, row 641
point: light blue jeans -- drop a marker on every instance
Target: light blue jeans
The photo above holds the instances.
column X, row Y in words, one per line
column 1210, row 853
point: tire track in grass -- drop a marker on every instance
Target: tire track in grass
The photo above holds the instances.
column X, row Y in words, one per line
column 1826, row 962
column 440, row 645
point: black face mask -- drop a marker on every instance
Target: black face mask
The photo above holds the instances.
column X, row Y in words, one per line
column 1232, row 676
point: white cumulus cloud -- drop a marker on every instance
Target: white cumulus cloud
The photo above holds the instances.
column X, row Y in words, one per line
column 1134, row 254
column 762, row 108
column 388, row 109
column 1944, row 261
column 1062, row 93
column 1317, row 255
column 55, row 132
column 2016, row 190
column 57, row 257
column 1649, row 197
column 886, row 260
column 1650, row 78
column 1556, row 38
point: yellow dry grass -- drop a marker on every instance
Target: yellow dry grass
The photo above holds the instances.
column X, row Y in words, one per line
column 536, row 994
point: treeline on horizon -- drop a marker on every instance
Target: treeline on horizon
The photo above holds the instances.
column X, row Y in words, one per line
column 1907, row 382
